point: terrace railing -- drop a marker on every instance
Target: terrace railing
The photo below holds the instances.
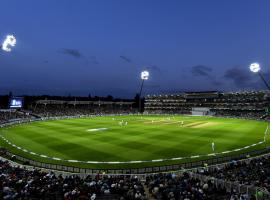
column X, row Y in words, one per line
column 257, row 192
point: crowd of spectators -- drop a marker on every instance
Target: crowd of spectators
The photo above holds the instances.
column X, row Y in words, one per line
column 254, row 172
column 247, row 104
column 55, row 110
column 256, row 115
column 184, row 187
column 6, row 116
column 19, row 183
column 78, row 110
column 241, row 114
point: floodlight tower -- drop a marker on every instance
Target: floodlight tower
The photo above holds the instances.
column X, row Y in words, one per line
column 144, row 76
column 255, row 68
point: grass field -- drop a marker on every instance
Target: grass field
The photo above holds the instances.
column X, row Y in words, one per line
column 144, row 138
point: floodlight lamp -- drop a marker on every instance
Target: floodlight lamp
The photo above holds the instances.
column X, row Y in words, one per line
column 255, row 67
column 144, row 75
column 10, row 41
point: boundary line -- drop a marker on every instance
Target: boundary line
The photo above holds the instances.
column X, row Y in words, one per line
column 129, row 162
column 133, row 161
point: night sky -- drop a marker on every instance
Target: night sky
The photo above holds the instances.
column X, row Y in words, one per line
column 81, row 47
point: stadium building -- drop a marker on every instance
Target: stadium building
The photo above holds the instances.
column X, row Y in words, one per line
column 246, row 104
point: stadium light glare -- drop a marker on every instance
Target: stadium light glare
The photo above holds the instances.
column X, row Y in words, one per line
column 144, row 75
column 10, row 41
column 255, row 67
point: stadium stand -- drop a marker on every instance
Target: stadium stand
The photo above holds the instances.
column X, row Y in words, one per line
column 52, row 108
column 184, row 186
column 21, row 183
column 255, row 172
column 13, row 115
column 233, row 104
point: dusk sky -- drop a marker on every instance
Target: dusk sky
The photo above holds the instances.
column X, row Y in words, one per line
column 99, row 47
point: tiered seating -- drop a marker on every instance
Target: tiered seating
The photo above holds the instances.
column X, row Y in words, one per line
column 19, row 183
column 52, row 108
column 237, row 104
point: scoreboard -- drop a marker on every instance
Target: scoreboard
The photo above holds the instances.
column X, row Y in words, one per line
column 16, row 102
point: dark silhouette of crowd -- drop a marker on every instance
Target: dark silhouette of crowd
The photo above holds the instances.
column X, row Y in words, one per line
column 12, row 115
column 241, row 114
column 78, row 110
column 19, row 183
column 254, row 172
column 184, row 187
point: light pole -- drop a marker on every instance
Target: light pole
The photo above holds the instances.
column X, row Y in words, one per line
column 255, row 68
column 144, row 76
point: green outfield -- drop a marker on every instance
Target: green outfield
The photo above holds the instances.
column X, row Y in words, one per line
column 88, row 141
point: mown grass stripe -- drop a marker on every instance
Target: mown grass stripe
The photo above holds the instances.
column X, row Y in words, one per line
column 68, row 139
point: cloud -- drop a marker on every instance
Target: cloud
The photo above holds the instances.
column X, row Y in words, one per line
column 240, row 77
column 77, row 54
column 126, row 59
column 71, row 52
column 205, row 71
column 201, row 70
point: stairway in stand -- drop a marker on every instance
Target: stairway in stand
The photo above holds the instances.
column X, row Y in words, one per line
column 148, row 194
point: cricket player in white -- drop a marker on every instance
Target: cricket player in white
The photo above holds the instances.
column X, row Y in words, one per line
column 213, row 146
